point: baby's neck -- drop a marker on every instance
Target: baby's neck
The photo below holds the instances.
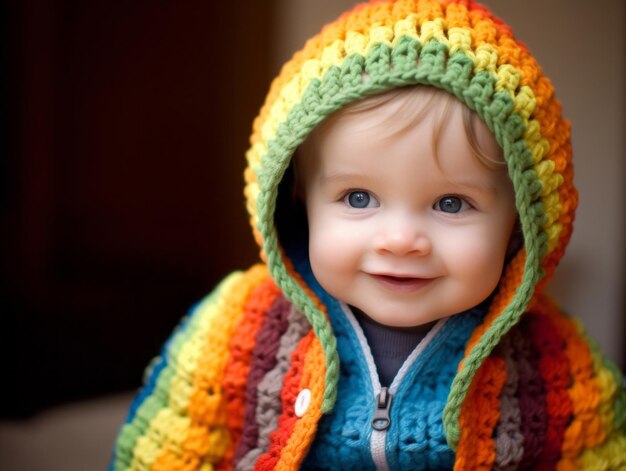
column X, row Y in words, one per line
column 390, row 346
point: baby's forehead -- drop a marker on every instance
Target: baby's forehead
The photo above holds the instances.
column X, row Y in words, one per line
column 393, row 111
column 384, row 117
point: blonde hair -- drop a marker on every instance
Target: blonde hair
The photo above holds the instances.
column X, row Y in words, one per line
column 413, row 104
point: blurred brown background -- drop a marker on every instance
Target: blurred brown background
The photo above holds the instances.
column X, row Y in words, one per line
column 123, row 200
column 121, row 197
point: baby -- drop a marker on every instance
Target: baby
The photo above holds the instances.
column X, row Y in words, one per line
column 410, row 186
column 409, row 219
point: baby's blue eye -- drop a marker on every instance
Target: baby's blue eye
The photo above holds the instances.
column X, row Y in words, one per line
column 360, row 199
column 450, row 204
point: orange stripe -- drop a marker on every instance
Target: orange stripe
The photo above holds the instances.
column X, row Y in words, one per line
column 241, row 348
column 304, row 430
column 207, row 437
column 479, row 416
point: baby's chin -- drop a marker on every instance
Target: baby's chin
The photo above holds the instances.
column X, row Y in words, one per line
column 399, row 321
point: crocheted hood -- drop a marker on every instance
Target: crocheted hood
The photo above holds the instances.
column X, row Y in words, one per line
column 457, row 46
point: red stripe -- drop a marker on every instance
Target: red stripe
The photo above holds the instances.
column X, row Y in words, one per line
column 267, row 343
column 555, row 370
column 238, row 367
column 287, row 420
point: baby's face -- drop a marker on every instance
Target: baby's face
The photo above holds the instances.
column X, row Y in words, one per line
column 404, row 235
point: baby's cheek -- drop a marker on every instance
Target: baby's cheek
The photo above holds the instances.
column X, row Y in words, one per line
column 478, row 254
column 321, row 244
column 329, row 246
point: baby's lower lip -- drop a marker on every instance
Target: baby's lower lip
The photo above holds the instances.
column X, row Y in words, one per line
column 401, row 284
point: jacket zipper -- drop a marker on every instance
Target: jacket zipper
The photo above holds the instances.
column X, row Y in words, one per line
column 383, row 396
column 381, row 421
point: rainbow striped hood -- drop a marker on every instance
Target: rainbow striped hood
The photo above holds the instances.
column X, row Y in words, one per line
column 455, row 45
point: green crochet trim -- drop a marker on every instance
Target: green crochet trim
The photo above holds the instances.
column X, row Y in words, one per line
column 408, row 63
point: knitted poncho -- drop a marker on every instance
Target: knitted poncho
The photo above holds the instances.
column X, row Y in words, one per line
column 270, row 372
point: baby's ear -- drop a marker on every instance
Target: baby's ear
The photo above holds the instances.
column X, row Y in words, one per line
column 516, row 241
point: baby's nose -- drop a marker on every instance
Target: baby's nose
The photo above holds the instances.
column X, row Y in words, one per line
column 403, row 238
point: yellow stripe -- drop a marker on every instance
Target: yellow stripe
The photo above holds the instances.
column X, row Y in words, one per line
column 170, row 422
column 406, row 27
column 485, row 58
column 196, row 367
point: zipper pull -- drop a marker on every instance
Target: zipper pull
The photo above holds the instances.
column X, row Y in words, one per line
column 382, row 420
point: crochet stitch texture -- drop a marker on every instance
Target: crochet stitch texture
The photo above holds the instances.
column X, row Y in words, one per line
column 529, row 390
column 457, row 46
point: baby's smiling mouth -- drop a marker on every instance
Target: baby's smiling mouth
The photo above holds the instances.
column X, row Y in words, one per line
column 401, row 283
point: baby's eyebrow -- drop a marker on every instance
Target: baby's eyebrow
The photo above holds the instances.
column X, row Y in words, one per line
column 342, row 176
column 476, row 184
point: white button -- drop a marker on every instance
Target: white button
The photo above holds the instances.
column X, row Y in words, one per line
column 302, row 402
